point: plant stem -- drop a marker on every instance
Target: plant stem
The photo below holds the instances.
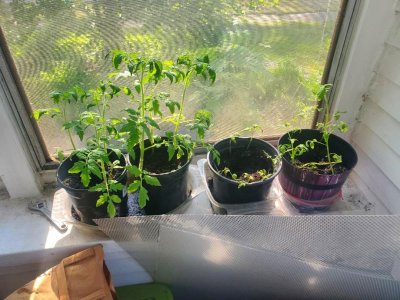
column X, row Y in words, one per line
column 142, row 117
column 64, row 110
column 178, row 121
column 103, row 121
column 327, row 134
column 105, row 179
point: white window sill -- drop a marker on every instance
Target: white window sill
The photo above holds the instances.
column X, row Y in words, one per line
column 30, row 244
column 23, row 230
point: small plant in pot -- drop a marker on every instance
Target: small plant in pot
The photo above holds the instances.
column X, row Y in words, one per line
column 93, row 176
column 159, row 164
column 244, row 170
column 316, row 162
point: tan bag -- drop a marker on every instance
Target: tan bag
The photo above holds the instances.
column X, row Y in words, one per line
column 82, row 276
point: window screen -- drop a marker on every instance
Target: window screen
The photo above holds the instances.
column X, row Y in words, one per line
column 267, row 53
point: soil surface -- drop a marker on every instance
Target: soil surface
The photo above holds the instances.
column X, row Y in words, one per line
column 156, row 161
column 74, row 180
column 255, row 177
column 322, row 170
column 240, row 161
column 159, row 164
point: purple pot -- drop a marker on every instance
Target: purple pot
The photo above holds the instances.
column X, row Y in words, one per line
column 308, row 185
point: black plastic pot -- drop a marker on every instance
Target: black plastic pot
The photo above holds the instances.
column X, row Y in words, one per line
column 83, row 201
column 246, row 155
column 308, row 185
column 174, row 189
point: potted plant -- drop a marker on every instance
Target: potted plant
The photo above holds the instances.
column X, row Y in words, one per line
column 316, row 162
column 244, row 170
column 93, row 176
column 159, row 164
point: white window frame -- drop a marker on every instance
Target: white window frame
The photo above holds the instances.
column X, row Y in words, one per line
column 348, row 71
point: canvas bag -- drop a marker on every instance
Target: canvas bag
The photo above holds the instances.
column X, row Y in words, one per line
column 83, row 276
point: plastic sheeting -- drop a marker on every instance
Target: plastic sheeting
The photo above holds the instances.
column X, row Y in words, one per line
column 259, row 257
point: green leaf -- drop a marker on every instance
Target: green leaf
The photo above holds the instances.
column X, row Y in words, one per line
column 204, row 59
column 77, row 167
column 184, row 60
column 137, row 86
column 102, row 199
column 171, row 105
column 146, row 130
column 132, row 140
column 212, row 74
column 37, row 114
column 133, row 187
column 85, row 177
column 151, row 180
column 169, row 75
column 60, row 154
column 152, row 123
column 97, row 188
column 115, row 199
column 216, row 156
column 94, row 169
column 343, row 127
column 171, row 151
column 134, row 170
column 115, row 89
column 242, row 184
column 115, row 187
column 111, row 209
column 127, row 91
column 56, row 97
column 131, row 68
column 117, row 151
column 129, row 126
column 143, row 196
column 117, row 59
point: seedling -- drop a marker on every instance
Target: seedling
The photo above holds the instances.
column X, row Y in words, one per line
column 145, row 115
column 327, row 127
column 259, row 175
column 246, row 178
column 94, row 164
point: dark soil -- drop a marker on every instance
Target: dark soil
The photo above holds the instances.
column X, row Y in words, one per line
column 156, row 161
column 158, row 164
column 322, row 170
column 74, row 180
column 240, row 161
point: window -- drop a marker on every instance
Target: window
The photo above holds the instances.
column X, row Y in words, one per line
column 267, row 53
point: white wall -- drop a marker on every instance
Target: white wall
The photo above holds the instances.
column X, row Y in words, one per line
column 376, row 134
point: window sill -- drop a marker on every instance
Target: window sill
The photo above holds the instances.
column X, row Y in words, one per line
column 29, row 244
column 22, row 230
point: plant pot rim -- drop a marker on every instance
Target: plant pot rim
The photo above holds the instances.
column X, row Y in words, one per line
column 233, row 182
column 308, row 171
column 85, row 189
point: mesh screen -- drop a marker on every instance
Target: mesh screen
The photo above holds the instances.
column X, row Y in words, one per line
column 346, row 257
column 267, row 53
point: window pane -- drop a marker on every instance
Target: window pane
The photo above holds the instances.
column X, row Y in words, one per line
column 267, row 53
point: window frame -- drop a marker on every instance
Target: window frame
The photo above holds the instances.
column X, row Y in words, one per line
column 29, row 129
column 21, row 109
